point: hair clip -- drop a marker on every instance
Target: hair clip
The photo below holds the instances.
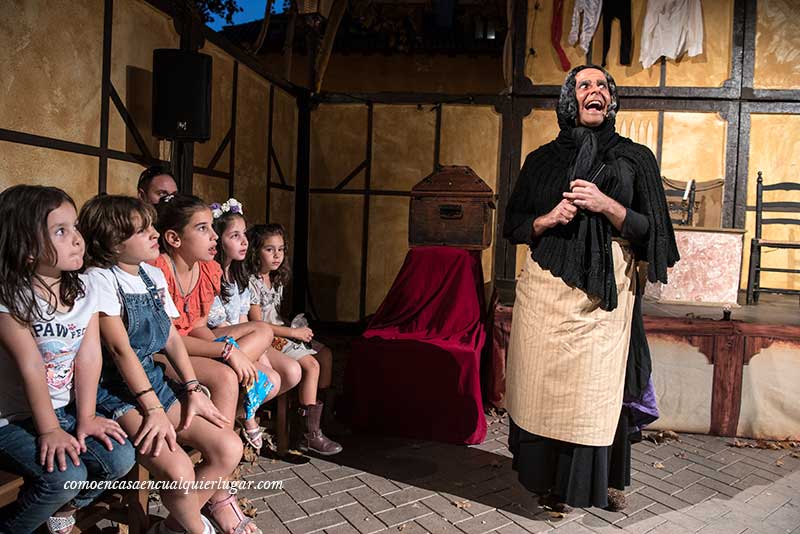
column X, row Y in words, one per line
column 229, row 206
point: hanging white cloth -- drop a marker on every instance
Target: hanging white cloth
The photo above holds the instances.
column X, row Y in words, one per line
column 591, row 10
column 671, row 27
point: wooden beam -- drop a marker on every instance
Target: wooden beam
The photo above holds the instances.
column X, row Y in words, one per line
column 324, row 54
column 262, row 35
column 289, row 43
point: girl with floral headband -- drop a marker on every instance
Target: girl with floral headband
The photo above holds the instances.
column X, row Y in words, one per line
column 188, row 245
column 228, row 314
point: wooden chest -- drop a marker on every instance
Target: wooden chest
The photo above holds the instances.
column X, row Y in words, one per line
column 451, row 207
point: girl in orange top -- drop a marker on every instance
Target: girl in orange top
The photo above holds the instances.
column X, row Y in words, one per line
column 188, row 244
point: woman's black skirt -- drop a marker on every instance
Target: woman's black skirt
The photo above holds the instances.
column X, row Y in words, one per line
column 578, row 475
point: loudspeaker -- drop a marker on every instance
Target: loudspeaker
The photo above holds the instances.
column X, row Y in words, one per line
column 181, row 95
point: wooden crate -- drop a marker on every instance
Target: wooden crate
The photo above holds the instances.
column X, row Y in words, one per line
column 451, row 207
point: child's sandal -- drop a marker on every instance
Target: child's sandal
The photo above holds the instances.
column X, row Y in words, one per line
column 60, row 524
column 210, row 510
column 252, row 436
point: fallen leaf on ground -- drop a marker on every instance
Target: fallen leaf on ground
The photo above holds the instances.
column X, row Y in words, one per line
column 250, row 455
column 556, row 515
column 764, row 444
column 461, row 504
column 681, row 455
column 402, row 527
column 795, row 455
column 658, row 465
column 779, row 463
column 247, row 507
column 663, row 436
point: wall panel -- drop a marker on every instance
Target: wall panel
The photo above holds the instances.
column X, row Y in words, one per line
column 713, row 67
column 284, row 136
column 221, row 98
column 137, row 29
column 335, row 256
column 210, row 188
column 403, row 140
column 777, row 53
column 74, row 173
column 774, row 150
column 388, row 245
column 338, row 144
column 51, row 68
column 123, row 177
column 252, row 111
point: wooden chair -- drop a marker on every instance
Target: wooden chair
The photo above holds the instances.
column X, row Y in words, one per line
column 757, row 243
column 682, row 203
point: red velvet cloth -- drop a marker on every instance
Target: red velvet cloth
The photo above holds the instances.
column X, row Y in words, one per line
column 415, row 372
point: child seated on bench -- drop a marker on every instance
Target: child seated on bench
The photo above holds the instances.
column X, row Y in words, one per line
column 228, row 314
column 269, row 272
column 135, row 322
column 50, row 357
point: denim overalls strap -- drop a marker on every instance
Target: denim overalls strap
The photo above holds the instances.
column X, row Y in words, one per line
column 145, row 318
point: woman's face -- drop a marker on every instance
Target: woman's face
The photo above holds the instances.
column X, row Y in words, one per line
column 593, row 96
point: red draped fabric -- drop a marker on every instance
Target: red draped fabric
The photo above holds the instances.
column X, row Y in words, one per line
column 415, row 372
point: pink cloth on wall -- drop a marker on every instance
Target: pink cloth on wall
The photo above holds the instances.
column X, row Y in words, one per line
column 415, row 372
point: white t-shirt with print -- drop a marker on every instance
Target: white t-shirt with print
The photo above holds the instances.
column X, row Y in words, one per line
column 58, row 337
column 107, row 282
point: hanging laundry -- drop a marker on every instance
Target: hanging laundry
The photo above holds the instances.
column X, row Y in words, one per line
column 555, row 33
column 671, row 27
column 619, row 9
column 590, row 9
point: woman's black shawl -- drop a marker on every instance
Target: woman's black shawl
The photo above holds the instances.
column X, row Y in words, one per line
column 580, row 252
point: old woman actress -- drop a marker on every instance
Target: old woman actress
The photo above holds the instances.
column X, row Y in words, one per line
column 590, row 205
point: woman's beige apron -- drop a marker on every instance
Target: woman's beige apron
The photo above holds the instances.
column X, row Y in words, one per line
column 566, row 361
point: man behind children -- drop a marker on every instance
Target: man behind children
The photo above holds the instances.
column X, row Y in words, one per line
column 155, row 183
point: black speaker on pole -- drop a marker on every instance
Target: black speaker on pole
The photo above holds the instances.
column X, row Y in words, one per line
column 181, row 95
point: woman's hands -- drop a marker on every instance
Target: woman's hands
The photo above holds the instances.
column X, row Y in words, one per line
column 101, row 429
column 563, row 213
column 196, row 403
column 56, row 445
column 586, row 195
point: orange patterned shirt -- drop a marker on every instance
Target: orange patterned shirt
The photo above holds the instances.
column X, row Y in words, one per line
column 198, row 302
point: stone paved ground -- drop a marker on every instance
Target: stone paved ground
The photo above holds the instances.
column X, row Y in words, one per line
column 698, row 484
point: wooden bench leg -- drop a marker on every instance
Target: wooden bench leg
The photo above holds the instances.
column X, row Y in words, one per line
column 138, row 518
column 283, row 426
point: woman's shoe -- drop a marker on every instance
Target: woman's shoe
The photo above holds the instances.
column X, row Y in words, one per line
column 211, row 510
column 554, row 503
column 60, row 524
column 253, row 437
column 616, row 500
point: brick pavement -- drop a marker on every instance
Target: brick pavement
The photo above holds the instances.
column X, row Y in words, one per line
column 698, row 484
